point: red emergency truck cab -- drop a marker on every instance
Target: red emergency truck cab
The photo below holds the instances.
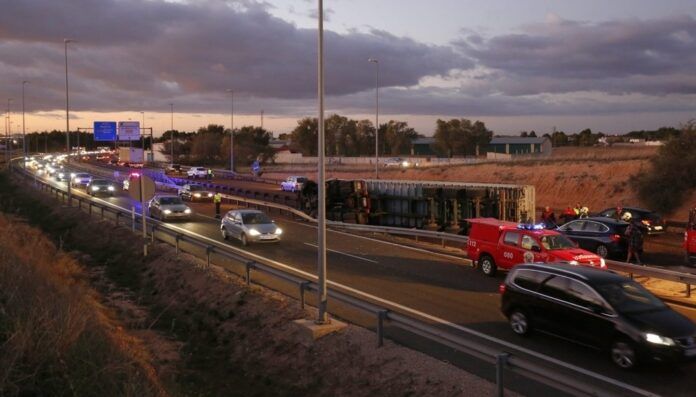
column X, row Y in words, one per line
column 690, row 239
column 495, row 244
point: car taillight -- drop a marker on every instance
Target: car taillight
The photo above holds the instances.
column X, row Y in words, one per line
column 501, row 288
column 616, row 238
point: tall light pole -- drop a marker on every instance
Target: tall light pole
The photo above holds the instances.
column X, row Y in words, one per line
column 376, row 62
column 231, row 128
column 24, row 128
column 67, row 104
column 8, row 133
column 171, row 135
column 261, row 118
column 322, row 317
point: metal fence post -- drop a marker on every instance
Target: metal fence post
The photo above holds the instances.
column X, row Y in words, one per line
column 152, row 236
column 118, row 216
column 90, row 208
column 303, row 287
column 133, row 219
column 176, row 243
column 688, row 290
column 381, row 316
column 249, row 266
column 102, row 213
column 208, row 250
column 500, row 363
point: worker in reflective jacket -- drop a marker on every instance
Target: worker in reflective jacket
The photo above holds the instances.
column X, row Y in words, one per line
column 217, row 199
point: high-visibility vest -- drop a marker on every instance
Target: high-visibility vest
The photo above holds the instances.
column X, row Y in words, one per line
column 217, row 198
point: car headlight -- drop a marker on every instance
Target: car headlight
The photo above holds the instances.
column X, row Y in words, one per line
column 659, row 340
column 167, row 212
column 78, row 180
column 72, row 174
column 187, row 211
column 197, row 195
column 111, row 188
column 254, row 232
column 573, row 263
column 210, row 195
column 61, row 175
column 602, row 263
column 278, row 231
column 95, row 188
column 405, row 164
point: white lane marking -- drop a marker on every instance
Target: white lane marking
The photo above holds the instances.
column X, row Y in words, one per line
column 467, row 261
column 343, row 253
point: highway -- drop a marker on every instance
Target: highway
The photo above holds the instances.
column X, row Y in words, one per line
column 438, row 284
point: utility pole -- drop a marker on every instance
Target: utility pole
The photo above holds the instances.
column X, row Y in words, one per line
column 261, row 118
column 322, row 317
column 376, row 62
column 67, row 117
column 231, row 129
column 171, row 135
column 24, row 125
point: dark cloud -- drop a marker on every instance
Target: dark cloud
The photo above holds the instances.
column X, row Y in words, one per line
column 616, row 57
column 134, row 54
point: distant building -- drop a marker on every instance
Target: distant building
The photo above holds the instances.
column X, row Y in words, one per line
column 423, row 147
column 508, row 146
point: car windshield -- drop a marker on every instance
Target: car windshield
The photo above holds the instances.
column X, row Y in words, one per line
column 556, row 242
column 196, row 188
column 170, row 200
column 630, row 297
column 255, row 218
column 100, row 182
column 82, row 176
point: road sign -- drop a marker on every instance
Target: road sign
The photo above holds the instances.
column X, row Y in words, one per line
column 104, row 130
column 148, row 191
column 128, row 130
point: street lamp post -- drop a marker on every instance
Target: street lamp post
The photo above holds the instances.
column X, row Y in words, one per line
column 24, row 128
column 171, row 135
column 8, row 133
column 376, row 62
column 231, row 129
column 322, row 317
column 67, row 104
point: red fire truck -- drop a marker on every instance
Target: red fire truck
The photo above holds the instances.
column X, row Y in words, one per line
column 495, row 244
column 690, row 238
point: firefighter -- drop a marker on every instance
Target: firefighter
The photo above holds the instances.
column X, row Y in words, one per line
column 548, row 217
column 577, row 209
column 584, row 213
column 568, row 214
column 217, row 199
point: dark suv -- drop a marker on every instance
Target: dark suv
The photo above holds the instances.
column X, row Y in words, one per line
column 598, row 308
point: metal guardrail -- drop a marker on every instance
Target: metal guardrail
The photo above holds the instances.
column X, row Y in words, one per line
column 506, row 356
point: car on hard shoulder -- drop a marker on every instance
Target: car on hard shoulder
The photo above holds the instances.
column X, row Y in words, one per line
column 193, row 192
column 598, row 308
column 293, row 183
column 197, row 172
column 604, row 236
column 131, row 178
column 168, row 207
column 494, row 244
column 174, row 169
column 101, row 187
column 651, row 221
column 80, row 180
column 690, row 239
column 249, row 226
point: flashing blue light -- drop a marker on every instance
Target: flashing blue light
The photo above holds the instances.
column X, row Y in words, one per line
column 529, row 226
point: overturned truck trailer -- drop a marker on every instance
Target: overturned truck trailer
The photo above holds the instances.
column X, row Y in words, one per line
column 424, row 204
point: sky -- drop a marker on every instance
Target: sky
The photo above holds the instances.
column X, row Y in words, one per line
column 516, row 65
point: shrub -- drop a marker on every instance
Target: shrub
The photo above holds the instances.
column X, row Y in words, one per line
column 672, row 174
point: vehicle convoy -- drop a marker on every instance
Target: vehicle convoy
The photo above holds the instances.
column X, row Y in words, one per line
column 168, row 207
column 197, row 172
column 653, row 222
column 249, row 226
column 81, row 179
column 596, row 308
column 495, row 244
column 192, row 192
column 690, row 238
column 101, row 187
column 293, row 183
column 601, row 235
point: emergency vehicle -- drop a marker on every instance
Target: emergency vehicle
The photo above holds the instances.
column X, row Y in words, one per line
column 495, row 244
column 690, row 238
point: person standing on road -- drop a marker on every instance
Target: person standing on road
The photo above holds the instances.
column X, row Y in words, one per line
column 635, row 242
column 217, row 199
column 209, row 174
column 568, row 214
column 549, row 218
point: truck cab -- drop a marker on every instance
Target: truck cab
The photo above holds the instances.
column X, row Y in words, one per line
column 690, row 238
column 495, row 244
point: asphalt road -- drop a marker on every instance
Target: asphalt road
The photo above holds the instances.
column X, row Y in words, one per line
column 440, row 285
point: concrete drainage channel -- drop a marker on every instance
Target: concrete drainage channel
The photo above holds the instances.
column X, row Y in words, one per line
column 366, row 309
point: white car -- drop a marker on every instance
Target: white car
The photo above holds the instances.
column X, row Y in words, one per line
column 197, row 172
column 293, row 183
column 399, row 162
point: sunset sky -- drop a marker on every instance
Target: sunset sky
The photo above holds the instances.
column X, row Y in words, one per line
column 612, row 66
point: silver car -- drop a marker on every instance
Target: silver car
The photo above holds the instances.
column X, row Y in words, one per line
column 168, row 207
column 249, row 226
column 81, row 179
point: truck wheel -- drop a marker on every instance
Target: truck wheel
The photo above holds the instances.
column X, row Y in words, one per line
column 487, row 265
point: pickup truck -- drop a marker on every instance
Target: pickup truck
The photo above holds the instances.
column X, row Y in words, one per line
column 495, row 244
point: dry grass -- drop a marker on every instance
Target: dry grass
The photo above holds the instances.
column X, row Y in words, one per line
column 55, row 337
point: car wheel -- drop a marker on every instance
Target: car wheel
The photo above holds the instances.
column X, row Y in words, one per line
column 243, row 239
column 623, row 354
column 520, row 323
column 225, row 236
column 602, row 251
column 487, row 265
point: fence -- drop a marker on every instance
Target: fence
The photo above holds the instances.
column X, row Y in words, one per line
column 505, row 356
